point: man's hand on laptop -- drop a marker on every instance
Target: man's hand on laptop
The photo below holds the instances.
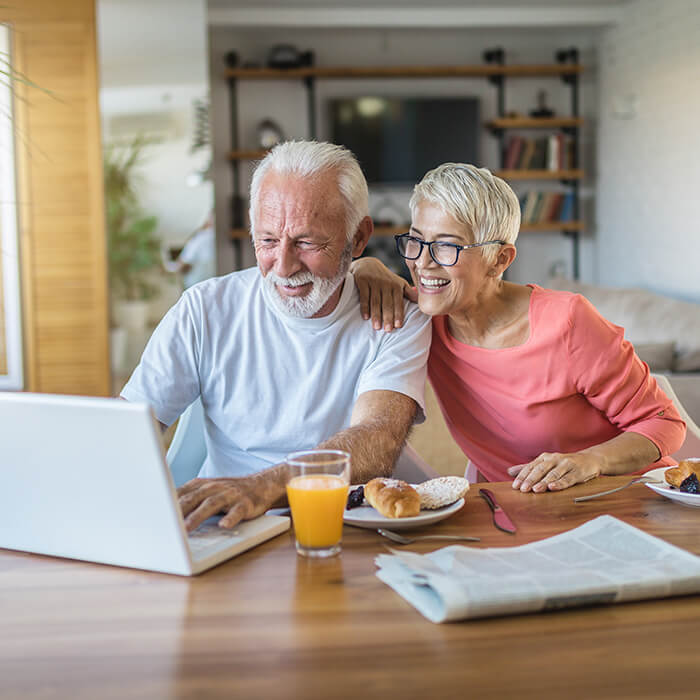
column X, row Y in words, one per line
column 242, row 498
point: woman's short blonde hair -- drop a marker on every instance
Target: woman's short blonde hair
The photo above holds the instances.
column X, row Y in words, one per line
column 474, row 197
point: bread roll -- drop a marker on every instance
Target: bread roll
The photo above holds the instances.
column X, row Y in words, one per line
column 441, row 492
column 677, row 475
column 392, row 498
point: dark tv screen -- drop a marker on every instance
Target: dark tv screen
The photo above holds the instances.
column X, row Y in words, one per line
column 398, row 139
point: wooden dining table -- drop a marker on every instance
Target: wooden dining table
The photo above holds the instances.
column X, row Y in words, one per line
column 272, row 624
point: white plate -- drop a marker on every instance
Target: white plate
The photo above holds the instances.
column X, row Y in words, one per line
column 366, row 516
column 687, row 499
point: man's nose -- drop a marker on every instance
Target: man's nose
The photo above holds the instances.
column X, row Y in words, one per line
column 287, row 260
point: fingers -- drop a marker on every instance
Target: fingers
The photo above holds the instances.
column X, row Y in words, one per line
column 411, row 293
column 234, row 516
column 389, row 307
column 398, row 308
column 544, row 470
column 190, row 486
column 363, row 290
column 210, row 506
column 554, row 472
column 191, row 500
column 375, row 310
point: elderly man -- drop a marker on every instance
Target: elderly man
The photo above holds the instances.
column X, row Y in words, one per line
column 280, row 354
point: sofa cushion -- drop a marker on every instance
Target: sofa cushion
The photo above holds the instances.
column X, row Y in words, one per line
column 659, row 356
column 647, row 318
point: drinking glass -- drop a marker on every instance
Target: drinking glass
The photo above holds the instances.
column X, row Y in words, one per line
column 317, row 491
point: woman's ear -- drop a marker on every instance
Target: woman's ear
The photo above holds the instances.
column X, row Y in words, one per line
column 361, row 237
column 504, row 259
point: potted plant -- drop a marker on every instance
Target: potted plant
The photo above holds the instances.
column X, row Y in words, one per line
column 133, row 247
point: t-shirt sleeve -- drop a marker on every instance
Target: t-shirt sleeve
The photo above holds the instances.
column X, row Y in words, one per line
column 167, row 376
column 609, row 374
column 400, row 362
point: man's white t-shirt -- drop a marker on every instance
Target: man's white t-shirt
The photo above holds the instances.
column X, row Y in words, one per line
column 272, row 383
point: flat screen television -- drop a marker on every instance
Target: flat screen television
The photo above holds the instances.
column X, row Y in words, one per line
column 398, row 139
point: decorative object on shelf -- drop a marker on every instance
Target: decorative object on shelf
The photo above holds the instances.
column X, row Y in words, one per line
column 569, row 55
column 269, row 133
column 288, row 56
column 231, row 59
column 542, row 109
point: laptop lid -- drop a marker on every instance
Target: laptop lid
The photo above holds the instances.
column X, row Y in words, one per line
column 86, row 478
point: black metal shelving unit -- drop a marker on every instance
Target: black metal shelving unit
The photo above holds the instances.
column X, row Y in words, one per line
column 570, row 125
column 494, row 69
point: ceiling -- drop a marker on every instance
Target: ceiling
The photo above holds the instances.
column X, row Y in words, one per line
column 164, row 41
column 397, row 4
column 414, row 13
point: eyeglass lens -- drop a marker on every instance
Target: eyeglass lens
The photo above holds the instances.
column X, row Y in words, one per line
column 442, row 253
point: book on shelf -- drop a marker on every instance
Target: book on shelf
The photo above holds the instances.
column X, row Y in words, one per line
column 546, row 207
column 567, row 207
column 553, row 153
column 513, row 152
column 526, row 157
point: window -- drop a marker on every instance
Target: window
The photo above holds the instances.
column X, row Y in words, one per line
column 11, row 375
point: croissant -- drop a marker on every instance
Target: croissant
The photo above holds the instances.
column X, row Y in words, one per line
column 677, row 475
column 392, row 498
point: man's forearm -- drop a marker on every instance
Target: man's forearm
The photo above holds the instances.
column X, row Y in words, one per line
column 374, row 448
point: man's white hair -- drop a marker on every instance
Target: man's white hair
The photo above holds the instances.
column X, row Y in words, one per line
column 474, row 197
column 312, row 158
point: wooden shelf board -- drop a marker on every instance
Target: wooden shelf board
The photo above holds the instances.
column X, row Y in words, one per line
column 540, row 174
column 552, row 226
column 477, row 71
column 534, row 122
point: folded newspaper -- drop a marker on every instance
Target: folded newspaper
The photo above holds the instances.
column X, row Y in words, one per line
column 603, row 561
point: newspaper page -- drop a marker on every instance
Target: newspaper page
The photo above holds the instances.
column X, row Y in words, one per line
column 603, row 561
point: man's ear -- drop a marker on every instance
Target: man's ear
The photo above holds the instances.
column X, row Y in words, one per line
column 361, row 237
column 504, row 259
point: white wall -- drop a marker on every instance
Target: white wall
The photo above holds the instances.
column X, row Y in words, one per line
column 285, row 101
column 648, row 178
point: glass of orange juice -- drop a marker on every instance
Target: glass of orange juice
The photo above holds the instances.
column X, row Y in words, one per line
column 317, row 491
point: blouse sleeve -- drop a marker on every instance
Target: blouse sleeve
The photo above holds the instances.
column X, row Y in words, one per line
column 609, row 374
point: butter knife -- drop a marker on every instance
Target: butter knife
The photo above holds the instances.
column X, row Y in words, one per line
column 500, row 517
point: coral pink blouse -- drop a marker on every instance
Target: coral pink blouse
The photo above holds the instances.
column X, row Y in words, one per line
column 576, row 382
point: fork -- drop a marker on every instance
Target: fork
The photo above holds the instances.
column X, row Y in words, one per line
column 407, row 540
column 638, row 480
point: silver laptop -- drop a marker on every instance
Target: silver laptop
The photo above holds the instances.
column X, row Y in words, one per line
column 86, row 478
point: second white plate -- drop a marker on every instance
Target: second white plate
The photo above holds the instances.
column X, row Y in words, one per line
column 687, row 499
column 366, row 516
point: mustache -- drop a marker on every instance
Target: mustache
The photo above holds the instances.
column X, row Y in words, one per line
column 296, row 280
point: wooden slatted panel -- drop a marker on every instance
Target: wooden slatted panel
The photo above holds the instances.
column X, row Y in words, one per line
column 62, row 234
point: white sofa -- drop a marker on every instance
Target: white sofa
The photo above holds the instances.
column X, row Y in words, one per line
column 665, row 332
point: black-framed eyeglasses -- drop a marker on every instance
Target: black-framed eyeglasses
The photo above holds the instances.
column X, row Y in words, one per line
column 442, row 252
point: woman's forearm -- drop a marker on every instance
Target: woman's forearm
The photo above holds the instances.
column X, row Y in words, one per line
column 625, row 453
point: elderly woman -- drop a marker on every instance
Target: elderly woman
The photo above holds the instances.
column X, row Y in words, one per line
column 533, row 383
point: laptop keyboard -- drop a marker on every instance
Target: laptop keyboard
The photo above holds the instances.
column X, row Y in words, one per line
column 210, row 536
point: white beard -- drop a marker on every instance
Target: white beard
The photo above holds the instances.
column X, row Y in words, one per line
column 322, row 288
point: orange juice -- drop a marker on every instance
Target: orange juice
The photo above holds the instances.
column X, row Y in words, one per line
column 317, row 502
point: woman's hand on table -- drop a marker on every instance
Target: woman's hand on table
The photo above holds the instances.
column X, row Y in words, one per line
column 381, row 293
column 555, row 471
